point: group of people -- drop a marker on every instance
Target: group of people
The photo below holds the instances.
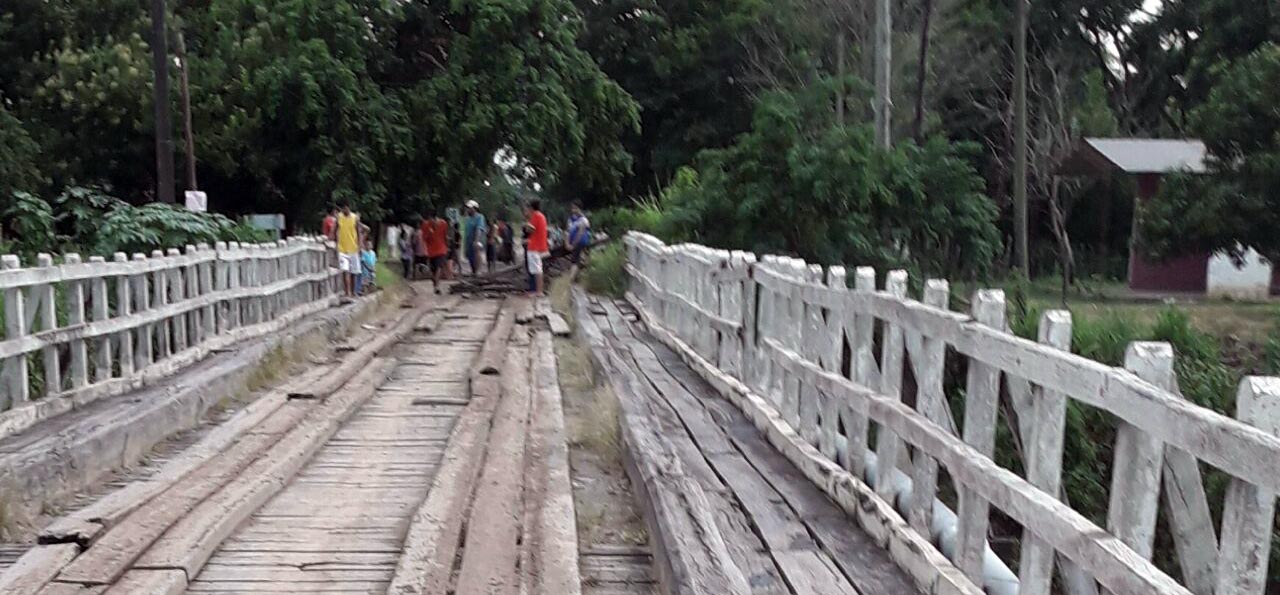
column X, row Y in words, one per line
column 436, row 245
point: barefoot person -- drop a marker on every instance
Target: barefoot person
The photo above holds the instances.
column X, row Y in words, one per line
column 348, row 237
column 435, row 231
column 538, row 249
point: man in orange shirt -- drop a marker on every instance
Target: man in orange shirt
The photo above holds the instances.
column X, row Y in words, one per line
column 538, row 248
column 435, row 231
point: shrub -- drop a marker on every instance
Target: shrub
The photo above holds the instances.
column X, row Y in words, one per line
column 605, row 273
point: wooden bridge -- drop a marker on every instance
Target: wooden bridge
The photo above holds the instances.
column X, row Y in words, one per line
column 212, row 420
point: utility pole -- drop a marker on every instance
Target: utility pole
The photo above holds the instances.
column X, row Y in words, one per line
column 186, row 114
column 160, row 95
column 1020, row 140
column 884, row 63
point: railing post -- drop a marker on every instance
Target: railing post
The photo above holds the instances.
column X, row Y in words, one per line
column 46, row 312
column 160, row 298
column 812, row 346
column 829, row 359
column 73, row 293
column 177, row 293
column 862, row 370
column 1044, row 458
column 888, row 445
column 1135, row 474
column 221, row 280
column 1249, row 511
column 101, row 312
column 931, row 402
column 233, row 282
column 191, row 274
column 982, row 391
column 17, row 382
column 124, row 307
column 142, row 303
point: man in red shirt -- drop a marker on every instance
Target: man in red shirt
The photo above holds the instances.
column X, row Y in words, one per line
column 538, row 248
column 435, row 232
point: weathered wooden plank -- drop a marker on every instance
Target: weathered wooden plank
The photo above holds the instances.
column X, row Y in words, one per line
column 102, row 361
column 1249, row 511
column 73, row 296
column 17, row 389
column 929, row 362
column 692, row 556
column 1139, row 457
column 490, row 563
column 1044, row 444
column 36, row 567
column 982, row 392
column 551, row 535
column 150, row 582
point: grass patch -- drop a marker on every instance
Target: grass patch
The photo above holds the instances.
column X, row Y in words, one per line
column 605, row 273
column 387, row 277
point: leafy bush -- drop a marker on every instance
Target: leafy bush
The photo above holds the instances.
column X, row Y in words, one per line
column 91, row 221
column 796, row 183
column 28, row 225
column 605, row 273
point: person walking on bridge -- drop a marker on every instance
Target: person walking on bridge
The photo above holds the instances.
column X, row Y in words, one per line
column 435, row 233
column 473, row 235
column 538, row 249
column 348, row 238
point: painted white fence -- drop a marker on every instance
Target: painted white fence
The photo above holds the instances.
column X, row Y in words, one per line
column 76, row 331
column 835, row 365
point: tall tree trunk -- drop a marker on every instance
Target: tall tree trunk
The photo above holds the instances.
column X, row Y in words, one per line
column 922, row 72
column 1020, row 142
column 187, row 131
column 160, row 96
column 884, row 65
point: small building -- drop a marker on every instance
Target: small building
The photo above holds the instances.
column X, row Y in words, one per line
column 1148, row 160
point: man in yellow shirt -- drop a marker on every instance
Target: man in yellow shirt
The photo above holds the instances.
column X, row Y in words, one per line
column 348, row 248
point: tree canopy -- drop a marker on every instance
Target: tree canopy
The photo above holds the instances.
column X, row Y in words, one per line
column 297, row 104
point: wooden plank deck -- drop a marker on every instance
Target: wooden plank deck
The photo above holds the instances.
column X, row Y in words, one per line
column 339, row 526
column 785, row 536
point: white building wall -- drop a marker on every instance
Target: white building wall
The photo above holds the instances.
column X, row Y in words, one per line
column 1251, row 281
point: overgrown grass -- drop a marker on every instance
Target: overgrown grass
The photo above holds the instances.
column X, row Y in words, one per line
column 387, row 276
column 605, row 273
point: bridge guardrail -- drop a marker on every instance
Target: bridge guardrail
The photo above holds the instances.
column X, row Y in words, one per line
column 795, row 337
column 77, row 331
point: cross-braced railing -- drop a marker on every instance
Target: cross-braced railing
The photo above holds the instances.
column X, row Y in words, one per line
column 845, row 379
column 76, row 330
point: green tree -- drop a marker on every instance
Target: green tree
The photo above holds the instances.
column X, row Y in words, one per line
column 797, row 183
column 1238, row 202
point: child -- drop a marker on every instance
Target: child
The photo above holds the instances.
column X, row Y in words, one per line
column 407, row 245
column 368, row 262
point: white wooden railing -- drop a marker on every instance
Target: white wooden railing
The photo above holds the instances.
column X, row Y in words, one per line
column 837, row 364
column 79, row 330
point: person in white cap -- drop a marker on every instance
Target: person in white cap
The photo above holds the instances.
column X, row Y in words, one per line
column 473, row 236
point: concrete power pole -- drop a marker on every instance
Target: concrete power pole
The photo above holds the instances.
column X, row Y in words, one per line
column 160, row 95
column 884, row 64
column 188, row 133
column 1023, row 260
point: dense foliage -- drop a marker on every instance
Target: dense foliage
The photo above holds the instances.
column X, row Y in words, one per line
column 91, row 221
column 797, row 183
column 1238, row 204
column 296, row 104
